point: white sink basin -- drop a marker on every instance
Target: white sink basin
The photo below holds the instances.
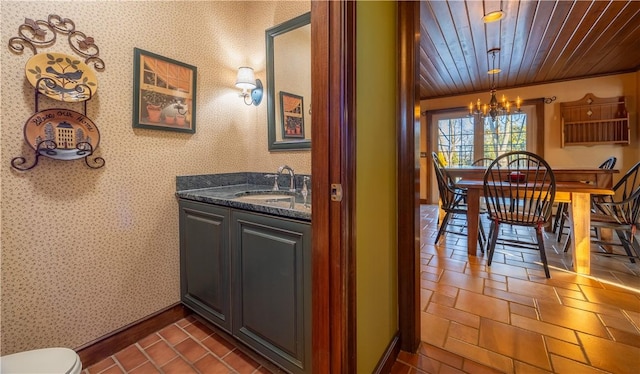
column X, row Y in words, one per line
column 281, row 199
column 266, row 198
column 265, row 195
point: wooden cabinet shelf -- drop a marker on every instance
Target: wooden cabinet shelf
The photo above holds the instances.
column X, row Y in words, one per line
column 592, row 121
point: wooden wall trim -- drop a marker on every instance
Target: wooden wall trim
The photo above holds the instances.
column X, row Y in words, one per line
column 540, row 126
column 408, row 176
column 432, row 136
column 389, row 356
column 113, row 342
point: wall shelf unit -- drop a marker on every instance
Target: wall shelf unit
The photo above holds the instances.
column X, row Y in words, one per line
column 593, row 121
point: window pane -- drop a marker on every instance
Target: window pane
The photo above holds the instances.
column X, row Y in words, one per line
column 455, row 141
column 505, row 134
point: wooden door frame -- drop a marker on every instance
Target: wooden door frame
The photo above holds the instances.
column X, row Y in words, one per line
column 333, row 32
column 333, row 162
column 408, row 175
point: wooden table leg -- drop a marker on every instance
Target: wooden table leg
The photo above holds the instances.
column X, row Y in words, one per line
column 473, row 220
column 579, row 212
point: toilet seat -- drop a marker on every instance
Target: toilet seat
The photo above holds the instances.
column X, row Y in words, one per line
column 42, row 361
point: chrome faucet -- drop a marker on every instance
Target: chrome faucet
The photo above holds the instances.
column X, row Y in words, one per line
column 292, row 186
column 305, row 191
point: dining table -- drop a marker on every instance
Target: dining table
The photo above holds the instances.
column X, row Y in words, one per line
column 573, row 185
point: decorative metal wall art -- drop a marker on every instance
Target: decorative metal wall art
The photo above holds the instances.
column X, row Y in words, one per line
column 59, row 133
column 42, row 34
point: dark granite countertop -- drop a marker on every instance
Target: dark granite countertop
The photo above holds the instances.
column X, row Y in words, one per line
column 247, row 191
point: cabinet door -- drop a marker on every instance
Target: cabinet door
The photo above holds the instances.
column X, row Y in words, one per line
column 271, row 260
column 204, row 261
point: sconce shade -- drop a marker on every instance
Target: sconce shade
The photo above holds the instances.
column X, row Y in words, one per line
column 245, row 80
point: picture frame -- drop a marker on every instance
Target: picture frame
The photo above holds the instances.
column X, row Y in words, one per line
column 292, row 115
column 164, row 93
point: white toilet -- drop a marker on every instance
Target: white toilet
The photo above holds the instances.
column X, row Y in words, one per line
column 42, row 361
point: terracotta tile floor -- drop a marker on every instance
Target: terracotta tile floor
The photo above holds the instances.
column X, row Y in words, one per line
column 508, row 318
column 187, row 346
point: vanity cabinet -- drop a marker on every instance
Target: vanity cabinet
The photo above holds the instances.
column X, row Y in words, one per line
column 258, row 267
column 205, row 261
column 272, row 287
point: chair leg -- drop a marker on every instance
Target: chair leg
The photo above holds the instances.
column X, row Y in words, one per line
column 543, row 254
column 556, row 219
column 493, row 238
column 567, row 243
column 562, row 219
column 626, row 244
column 482, row 237
column 443, row 225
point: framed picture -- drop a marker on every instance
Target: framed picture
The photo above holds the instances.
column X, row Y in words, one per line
column 291, row 109
column 164, row 93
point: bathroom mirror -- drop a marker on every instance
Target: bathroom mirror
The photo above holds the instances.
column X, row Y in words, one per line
column 289, row 84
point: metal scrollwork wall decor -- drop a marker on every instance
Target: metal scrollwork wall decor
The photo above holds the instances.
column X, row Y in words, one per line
column 59, row 133
column 42, row 34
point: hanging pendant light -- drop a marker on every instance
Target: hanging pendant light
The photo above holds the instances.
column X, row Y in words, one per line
column 495, row 108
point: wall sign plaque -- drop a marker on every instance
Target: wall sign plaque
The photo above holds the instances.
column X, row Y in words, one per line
column 67, row 134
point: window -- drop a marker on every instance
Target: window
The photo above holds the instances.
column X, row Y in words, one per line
column 459, row 139
column 505, row 134
column 456, row 140
column 462, row 139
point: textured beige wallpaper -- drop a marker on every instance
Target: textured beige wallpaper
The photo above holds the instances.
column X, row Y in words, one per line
column 85, row 252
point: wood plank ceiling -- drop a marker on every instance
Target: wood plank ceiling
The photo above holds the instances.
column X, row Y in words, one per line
column 539, row 41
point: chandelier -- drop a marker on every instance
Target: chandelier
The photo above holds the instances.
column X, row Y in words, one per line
column 494, row 108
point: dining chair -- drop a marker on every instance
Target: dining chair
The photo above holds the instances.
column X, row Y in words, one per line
column 562, row 213
column 452, row 201
column 485, row 161
column 609, row 163
column 623, row 216
column 519, row 190
column 620, row 212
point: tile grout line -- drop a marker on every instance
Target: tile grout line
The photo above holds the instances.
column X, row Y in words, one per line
column 160, row 339
column 192, row 364
column 117, row 363
column 173, row 347
column 144, row 352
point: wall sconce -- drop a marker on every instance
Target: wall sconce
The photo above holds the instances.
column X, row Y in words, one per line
column 247, row 81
